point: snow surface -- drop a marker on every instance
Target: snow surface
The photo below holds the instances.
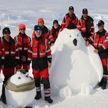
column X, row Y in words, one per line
column 13, row 12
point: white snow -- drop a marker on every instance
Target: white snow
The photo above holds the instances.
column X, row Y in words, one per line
column 15, row 79
column 73, row 68
column 13, row 12
column 17, row 98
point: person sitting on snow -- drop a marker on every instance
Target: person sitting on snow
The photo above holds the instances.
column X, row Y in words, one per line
column 86, row 25
column 69, row 18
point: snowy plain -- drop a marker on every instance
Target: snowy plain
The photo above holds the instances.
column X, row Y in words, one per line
column 13, row 12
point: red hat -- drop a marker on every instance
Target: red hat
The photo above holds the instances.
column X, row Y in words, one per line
column 40, row 20
column 21, row 26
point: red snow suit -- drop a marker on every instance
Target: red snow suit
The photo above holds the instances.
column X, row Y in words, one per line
column 8, row 56
column 23, row 46
column 67, row 20
column 41, row 55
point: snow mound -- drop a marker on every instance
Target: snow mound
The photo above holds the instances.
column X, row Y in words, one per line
column 76, row 68
column 20, row 90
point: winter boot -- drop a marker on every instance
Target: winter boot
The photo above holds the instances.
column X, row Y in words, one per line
column 38, row 95
column 103, row 86
column 3, row 97
column 38, row 89
column 48, row 99
column 103, row 83
column 47, row 90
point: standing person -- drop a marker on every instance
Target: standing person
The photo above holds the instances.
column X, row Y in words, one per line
column 69, row 19
column 9, row 58
column 41, row 60
column 0, row 58
column 23, row 45
column 45, row 30
column 54, row 32
column 1, row 55
column 86, row 25
column 98, row 41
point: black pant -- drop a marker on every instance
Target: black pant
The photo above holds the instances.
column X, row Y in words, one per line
column 3, row 97
column 44, row 81
column 104, row 80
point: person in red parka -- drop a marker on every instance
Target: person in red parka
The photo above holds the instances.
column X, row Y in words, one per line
column 104, row 49
column 41, row 60
column 23, row 46
column 86, row 25
column 8, row 58
column 69, row 19
column 45, row 30
column 1, row 55
column 98, row 41
column 54, row 32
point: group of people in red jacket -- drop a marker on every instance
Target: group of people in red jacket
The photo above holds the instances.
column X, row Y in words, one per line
column 18, row 53
column 98, row 39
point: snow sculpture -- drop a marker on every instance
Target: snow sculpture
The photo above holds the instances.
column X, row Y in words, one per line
column 76, row 68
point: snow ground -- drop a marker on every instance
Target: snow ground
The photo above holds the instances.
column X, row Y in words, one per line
column 13, row 12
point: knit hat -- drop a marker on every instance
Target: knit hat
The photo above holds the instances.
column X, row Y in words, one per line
column 40, row 20
column 6, row 30
column 85, row 11
column 71, row 8
column 37, row 28
column 100, row 23
column 21, row 26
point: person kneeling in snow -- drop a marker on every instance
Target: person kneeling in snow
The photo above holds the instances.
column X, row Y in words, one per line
column 41, row 59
